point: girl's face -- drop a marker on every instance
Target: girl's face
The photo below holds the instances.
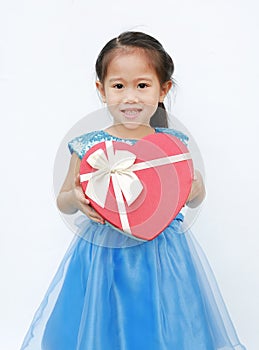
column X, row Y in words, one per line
column 132, row 89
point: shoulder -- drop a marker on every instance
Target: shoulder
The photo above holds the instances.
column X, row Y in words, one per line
column 82, row 143
column 180, row 135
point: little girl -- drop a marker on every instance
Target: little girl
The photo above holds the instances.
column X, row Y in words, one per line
column 156, row 295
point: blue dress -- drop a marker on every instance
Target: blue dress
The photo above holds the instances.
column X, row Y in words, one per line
column 111, row 293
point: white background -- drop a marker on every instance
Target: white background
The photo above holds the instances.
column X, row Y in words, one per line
column 47, row 56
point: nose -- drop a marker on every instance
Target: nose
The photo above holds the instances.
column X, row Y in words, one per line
column 130, row 96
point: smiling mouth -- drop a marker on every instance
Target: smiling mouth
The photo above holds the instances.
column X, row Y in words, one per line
column 131, row 113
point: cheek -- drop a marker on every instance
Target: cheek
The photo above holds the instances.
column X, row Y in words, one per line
column 152, row 100
column 155, row 95
column 112, row 98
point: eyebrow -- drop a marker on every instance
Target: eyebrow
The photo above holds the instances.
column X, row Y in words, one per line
column 112, row 79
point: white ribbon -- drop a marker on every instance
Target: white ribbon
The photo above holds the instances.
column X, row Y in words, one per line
column 119, row 167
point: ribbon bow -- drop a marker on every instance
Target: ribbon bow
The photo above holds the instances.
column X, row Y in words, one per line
column 115, row 166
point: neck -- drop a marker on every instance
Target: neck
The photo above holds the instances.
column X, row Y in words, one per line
column 132, row 132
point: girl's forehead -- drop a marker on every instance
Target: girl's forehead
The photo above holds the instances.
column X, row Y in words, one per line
column 128, row 52
column 128, row 58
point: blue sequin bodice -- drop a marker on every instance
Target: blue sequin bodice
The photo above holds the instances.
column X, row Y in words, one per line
column 81, row 144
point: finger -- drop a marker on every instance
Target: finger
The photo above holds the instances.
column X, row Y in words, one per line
column 95, row 215
column 96, row 219
column 81, row 196
column 92, row 214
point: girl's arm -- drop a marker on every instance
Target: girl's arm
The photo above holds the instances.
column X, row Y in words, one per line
column 198, row 191
column 71, row 197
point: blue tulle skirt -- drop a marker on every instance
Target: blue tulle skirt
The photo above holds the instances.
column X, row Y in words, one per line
column 158, row 295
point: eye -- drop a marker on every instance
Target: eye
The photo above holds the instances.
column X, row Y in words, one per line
column 142, row 85
column 118, row 86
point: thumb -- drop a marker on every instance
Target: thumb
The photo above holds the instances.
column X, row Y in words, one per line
column 77, row 180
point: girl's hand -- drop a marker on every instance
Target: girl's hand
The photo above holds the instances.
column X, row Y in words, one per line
column 81, row 203
column 198, row 192
column 71, row 197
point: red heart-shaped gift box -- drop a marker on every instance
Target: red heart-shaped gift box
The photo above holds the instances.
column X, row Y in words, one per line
column 138, row 188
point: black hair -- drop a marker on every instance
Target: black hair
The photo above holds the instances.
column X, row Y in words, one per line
column 160, row 59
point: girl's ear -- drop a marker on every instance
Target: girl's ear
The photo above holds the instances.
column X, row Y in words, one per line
column 164, row 90
column 100, row 88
